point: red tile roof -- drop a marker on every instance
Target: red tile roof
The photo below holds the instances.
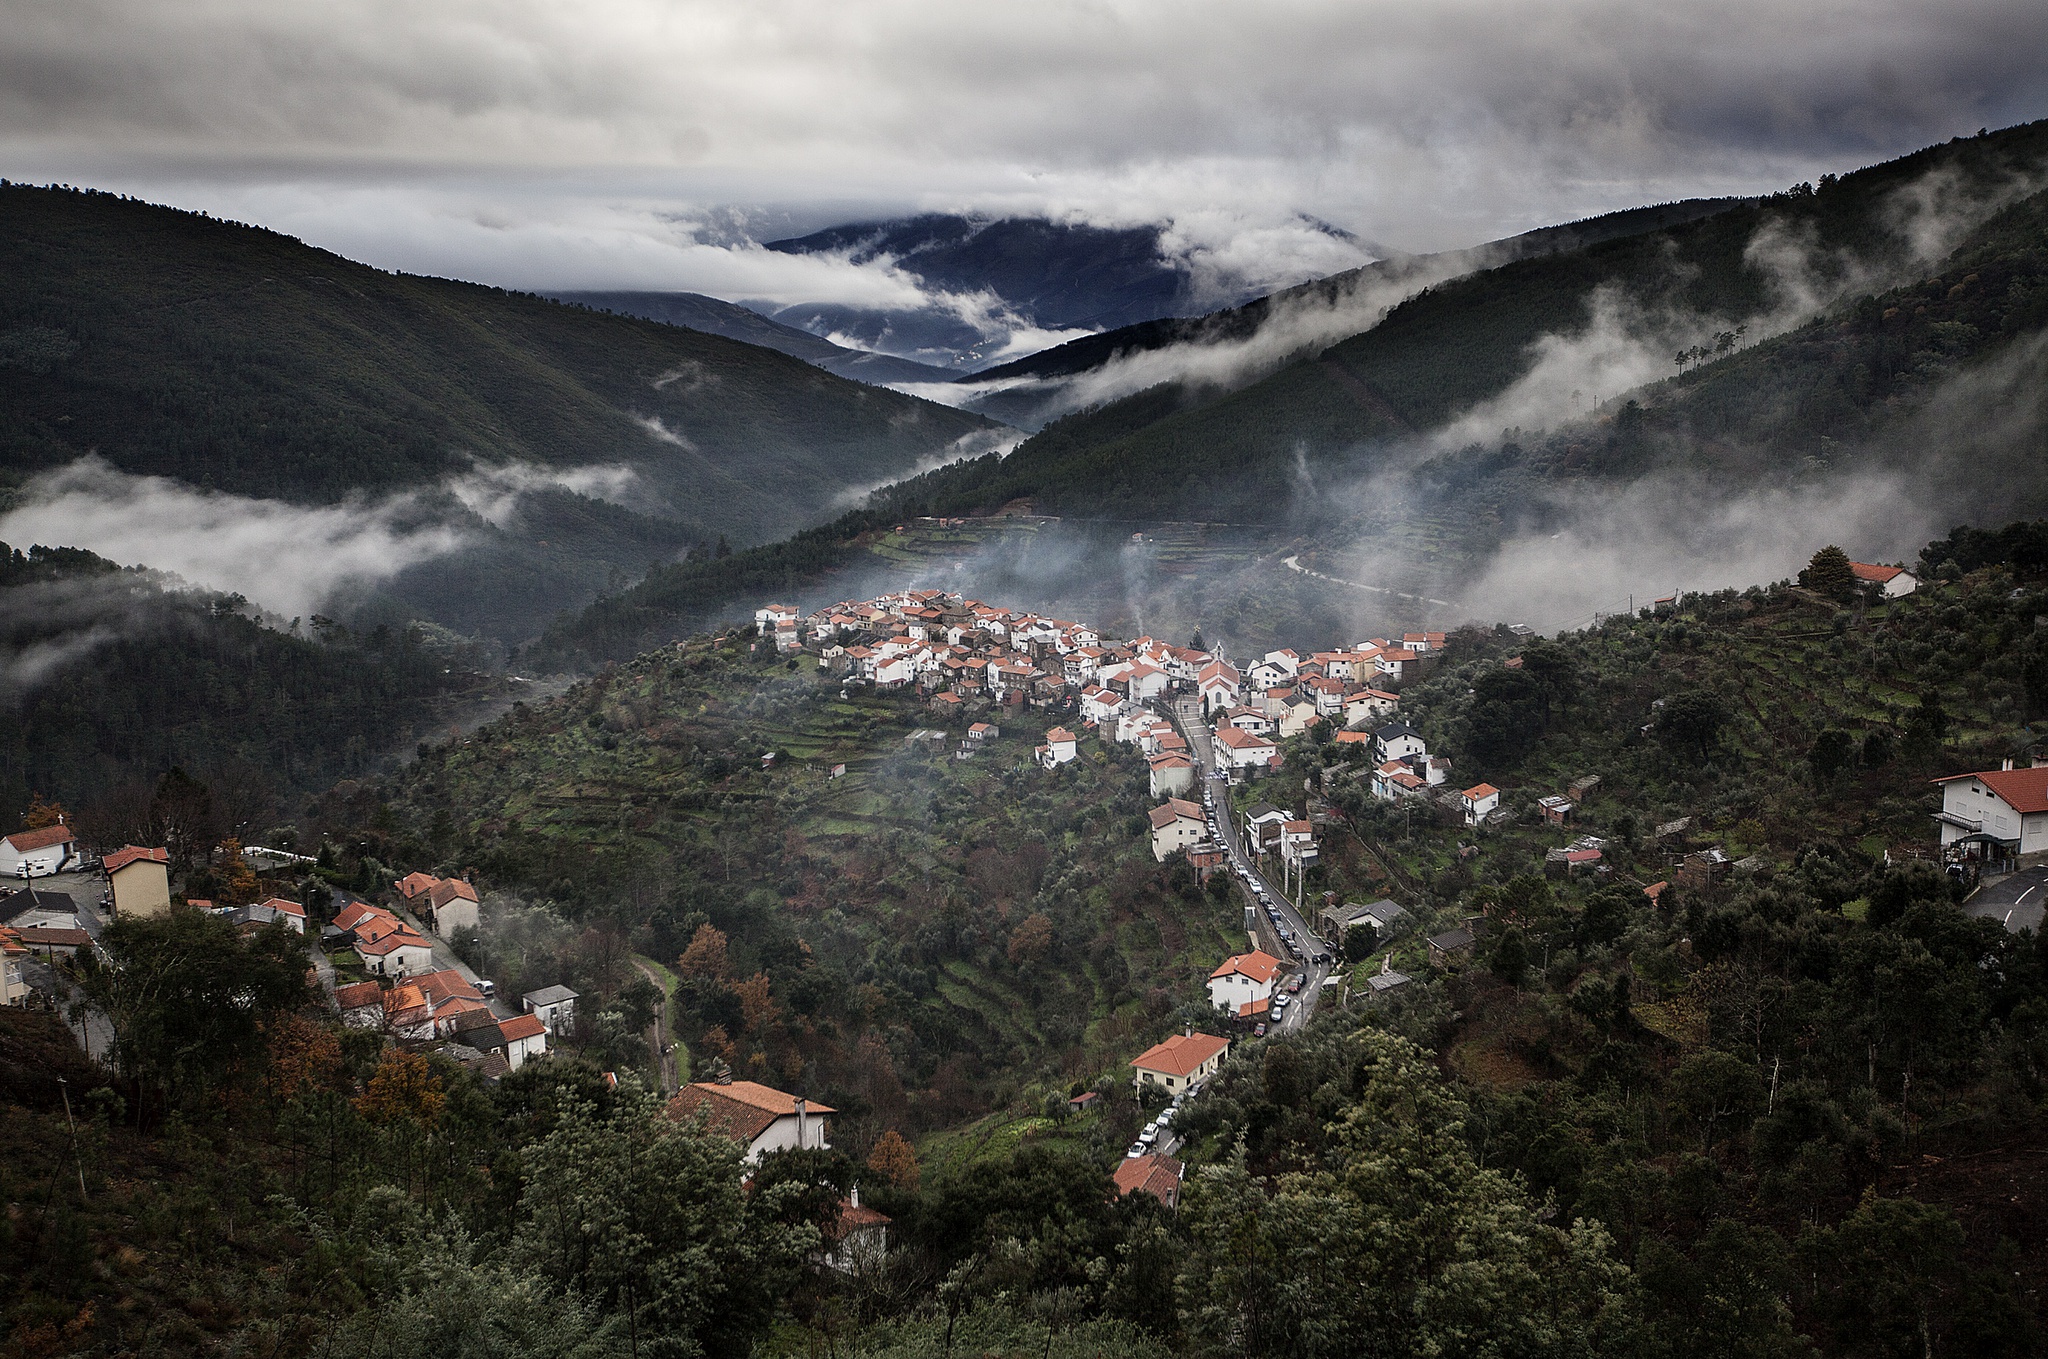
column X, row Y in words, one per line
column 1175, row 809
column 1878, row 575
column 129, row 854
column 450, row 889
column 2024, row 790
column 521, row 1026
column 412, row 884
column 25, row 840
column 1481, row 790
column 1152, row 1174
column 1259, row 965
column 284, row 906
column 1180, row 1054
column 44, row 936
column 357, row 995
column 742, row 1110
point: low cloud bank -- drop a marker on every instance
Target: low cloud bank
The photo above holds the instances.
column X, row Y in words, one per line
column 292, row 560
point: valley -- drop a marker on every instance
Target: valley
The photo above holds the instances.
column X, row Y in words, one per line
column 1488, row 802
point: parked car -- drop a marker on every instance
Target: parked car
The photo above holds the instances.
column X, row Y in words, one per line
column 1294, row 986
column 1150, row 1135
column 487, row 988
column 1259, row 1029
column 1137, row 1149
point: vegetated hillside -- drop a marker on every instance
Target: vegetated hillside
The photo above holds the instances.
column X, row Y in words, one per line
column 909, row 942
column 108, row 679
column 1171, row 454
column 735, row 322
column 1076, row 358
column 228, row 357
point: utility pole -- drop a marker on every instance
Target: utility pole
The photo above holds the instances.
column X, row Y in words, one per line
column 65, row 1087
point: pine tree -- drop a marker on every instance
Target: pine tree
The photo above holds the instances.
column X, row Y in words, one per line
column 1829, row 574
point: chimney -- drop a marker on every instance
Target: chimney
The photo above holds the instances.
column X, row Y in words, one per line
column 854, row 1197
column 802, row 1124
column 1191, row 1029
column 2005, row 768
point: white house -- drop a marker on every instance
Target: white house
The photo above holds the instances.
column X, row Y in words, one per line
column 2006, row 806
column 1894, row 580
column 1176, row 825
column 1479, row 802
column 1369, row 705
column 1253, row 720
column 1146, row 682
column 1298, row 843
column 553, row 1006
column 1242, row 750
column 525, row 1036
column 451, row 905
column 1243, row 980
column 1172, row 772
column 1100, row 705
column 37, row 853
column 1394, row 780
column 1179, row 1062
column 1058, row 748
column 758, row 1117
column 1398, row 740
column 1262, row 823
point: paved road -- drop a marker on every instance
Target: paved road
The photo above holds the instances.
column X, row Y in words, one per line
column 2017, row 901
column 1294, row 564
column 1223, row 824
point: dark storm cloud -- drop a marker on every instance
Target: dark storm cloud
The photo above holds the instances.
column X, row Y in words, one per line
column 563, row 144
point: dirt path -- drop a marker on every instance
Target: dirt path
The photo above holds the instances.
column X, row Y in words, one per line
column 658, row 1041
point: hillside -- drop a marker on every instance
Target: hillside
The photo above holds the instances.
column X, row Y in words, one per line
column 1027, row 392
column 110, row 677
column 1170, row 452
column 235, row 359
column 933, row 931
column 1796, row 1078
column 709, row 314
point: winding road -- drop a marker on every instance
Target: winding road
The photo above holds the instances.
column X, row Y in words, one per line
column 1223, row 823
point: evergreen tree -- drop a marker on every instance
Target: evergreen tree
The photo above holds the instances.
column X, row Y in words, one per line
column 1829, row 574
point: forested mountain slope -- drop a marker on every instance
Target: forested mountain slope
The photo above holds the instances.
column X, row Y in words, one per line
column 709, row 314
column 1170, row 453
column 110, row 677
column 239, row 360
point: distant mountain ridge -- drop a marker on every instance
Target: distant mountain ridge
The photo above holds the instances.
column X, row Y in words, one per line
column 1043, row 276
column 715, row 317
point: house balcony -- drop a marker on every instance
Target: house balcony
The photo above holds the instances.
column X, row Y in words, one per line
column 1959, row 821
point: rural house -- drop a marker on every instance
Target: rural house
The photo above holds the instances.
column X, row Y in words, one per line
column 758, row 1117
column 1153, row 1174
column 2003, row 809
column 1176, row 825
column 1179, row 1062
column 553, row 1006
column 1239, row 981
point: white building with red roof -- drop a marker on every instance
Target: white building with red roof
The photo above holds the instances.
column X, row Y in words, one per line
column 1893, row 580
column 1479, row 802
column 1241, row 750
column 759, row 1117
column 1059, row 748
column 37, row 853
column 1179, row 1062
column 2007, row 808
column 1243, row 980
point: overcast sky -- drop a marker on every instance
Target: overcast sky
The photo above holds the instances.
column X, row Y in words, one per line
column 600, row 143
